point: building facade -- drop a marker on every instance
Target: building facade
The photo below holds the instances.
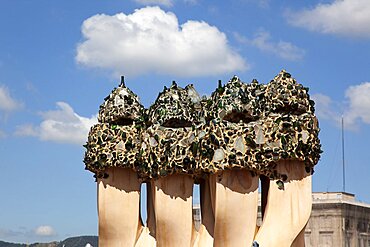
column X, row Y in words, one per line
column 337, row 219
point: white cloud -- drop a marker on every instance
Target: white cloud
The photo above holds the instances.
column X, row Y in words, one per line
column 27, row 130
column 358, row 104
column 262, row 40
column 7, row 102
column 45, row 231
column 62, row 125
column 356, row 107
column 152, row 41
column 325, row 108
column 344, row 17
column 167, row 3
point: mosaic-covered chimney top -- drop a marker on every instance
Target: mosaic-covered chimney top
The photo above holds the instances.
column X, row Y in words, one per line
column 237, row 101
column 284, row 95
column 176, row 107
column 241, row 125
column 121, row 107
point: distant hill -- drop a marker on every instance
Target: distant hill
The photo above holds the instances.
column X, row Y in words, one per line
column 81, row 241
column 5, row 244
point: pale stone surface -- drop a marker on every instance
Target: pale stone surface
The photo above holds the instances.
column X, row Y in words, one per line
column 229, row 201
column 206, row 230
column 119, row 208
column 145, row 239
column 234, row 196
column 299, row 240
column 172, row 201
column 288, row 209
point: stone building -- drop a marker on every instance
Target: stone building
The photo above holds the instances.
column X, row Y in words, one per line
column 337, row 220
column 196, row 215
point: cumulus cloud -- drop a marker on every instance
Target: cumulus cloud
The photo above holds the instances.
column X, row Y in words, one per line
column 262, row 40
column 27, row 130
column 61, row 125
column 7, row 102
column 167, row 3
column 356, row 106
column 151, row 40
column 343, row 17
column 326, row 108
column 45, row 231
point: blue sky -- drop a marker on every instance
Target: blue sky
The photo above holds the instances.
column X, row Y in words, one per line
column 59, row 59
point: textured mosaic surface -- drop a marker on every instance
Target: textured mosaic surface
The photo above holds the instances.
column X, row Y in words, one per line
column 121, row 107
column 112, row 145
column 176, row 107
column 242, row 125
column 284, row 95
column 236, row 101
column 171, row 150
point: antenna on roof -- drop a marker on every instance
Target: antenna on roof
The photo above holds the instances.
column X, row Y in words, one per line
column 122, row 81
column 344, row 170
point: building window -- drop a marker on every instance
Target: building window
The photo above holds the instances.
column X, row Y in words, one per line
column 348, row 240
column 326, row 239
column 347, row 224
